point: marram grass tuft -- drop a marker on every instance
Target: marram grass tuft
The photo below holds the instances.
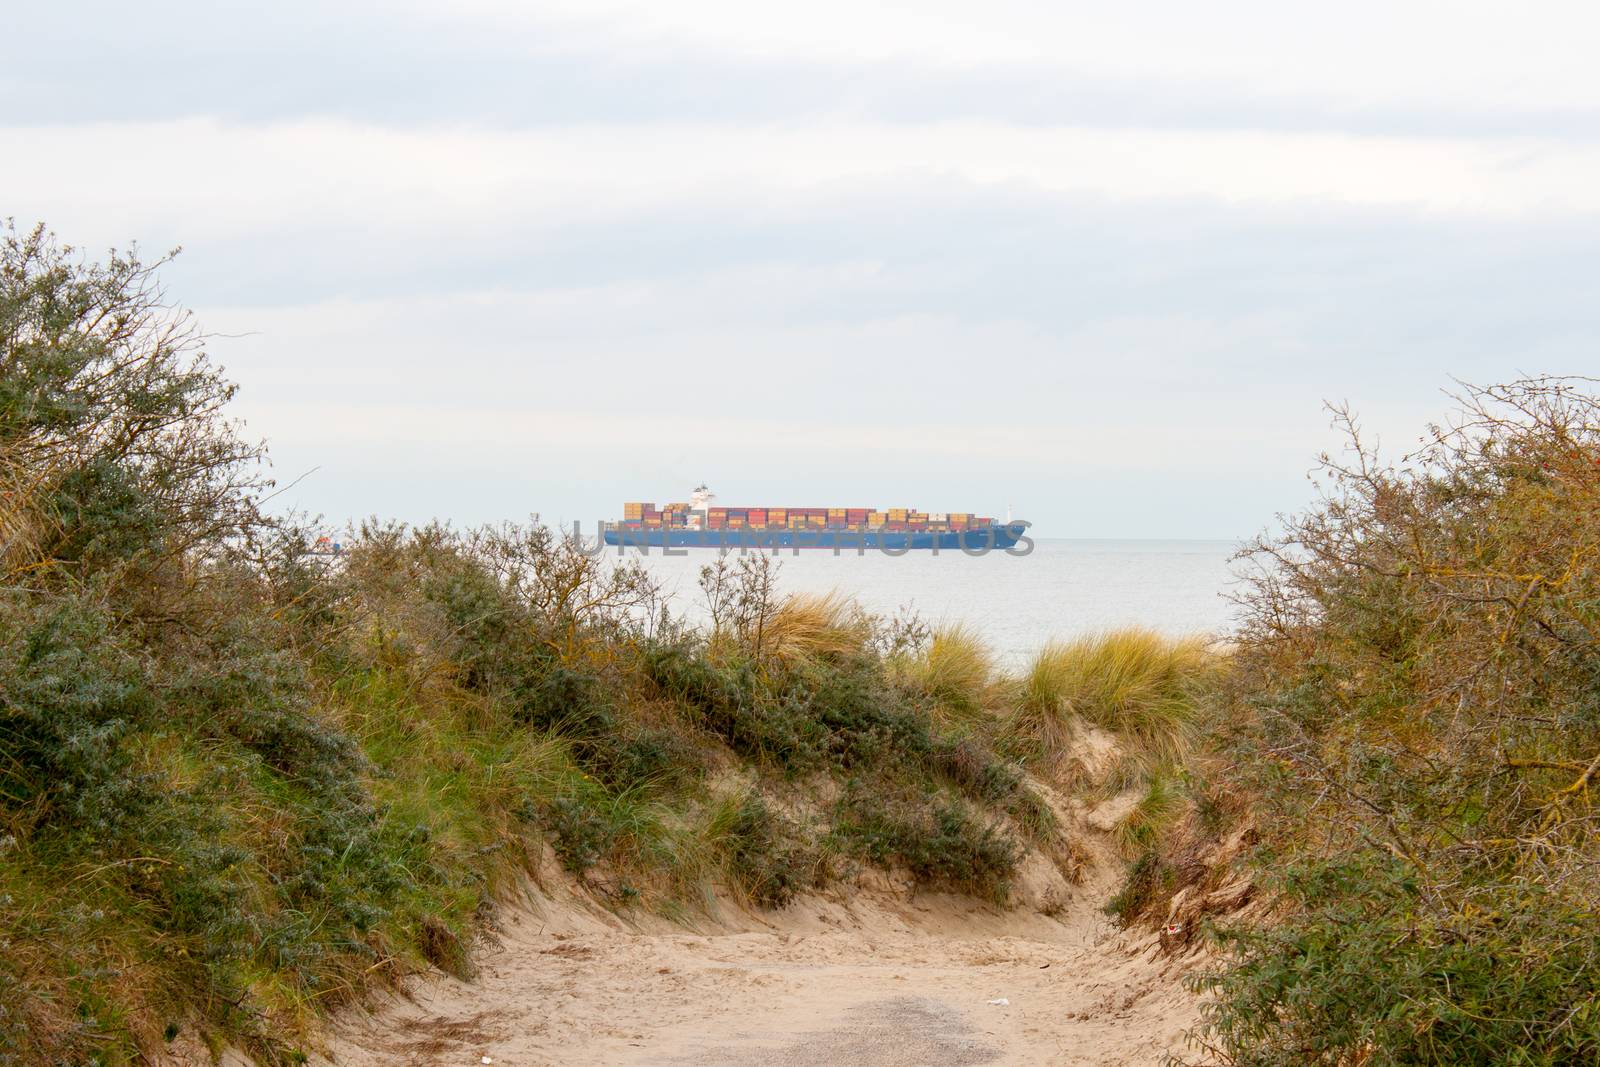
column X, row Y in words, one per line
column 1140, row 685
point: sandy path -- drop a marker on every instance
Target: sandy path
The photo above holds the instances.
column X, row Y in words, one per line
column 887, row 982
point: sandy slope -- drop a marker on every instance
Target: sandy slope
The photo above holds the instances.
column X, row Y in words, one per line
column 882, row 978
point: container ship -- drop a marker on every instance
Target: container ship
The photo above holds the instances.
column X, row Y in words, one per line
column 699, row 523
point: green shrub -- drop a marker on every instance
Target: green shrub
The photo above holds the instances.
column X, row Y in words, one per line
column 1415, row 706
column 102, row 515
column 582, row 836
column 1366, row 963
column 973, row 768
column 731, row 702
column 240, row 783
column 940, row 841
column 640, row 757
column 70, row 693
column 764, row 862
column 857, row 720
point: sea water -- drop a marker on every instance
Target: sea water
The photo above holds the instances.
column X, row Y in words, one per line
column 1062, row 589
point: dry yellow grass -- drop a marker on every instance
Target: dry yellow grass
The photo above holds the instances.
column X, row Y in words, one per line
column 26, row 526
column 812, row 626
column 956, row 670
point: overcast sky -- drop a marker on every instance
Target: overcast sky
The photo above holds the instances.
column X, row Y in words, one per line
column 1103, row 262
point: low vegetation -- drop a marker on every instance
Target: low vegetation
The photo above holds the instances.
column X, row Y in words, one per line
column 1141, row 686
column 1421, row 667
column 956, row 671
column 241, row 782
column 1402, row 762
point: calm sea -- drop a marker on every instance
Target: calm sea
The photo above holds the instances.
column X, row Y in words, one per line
column 1062, row 589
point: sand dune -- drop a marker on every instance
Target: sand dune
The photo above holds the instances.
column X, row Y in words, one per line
column 875, row 978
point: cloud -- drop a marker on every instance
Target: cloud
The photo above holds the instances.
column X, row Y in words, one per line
column 560, row 65
column 1101, row 261
column 1469, row 52
column 219, row 180
column 1417, row 70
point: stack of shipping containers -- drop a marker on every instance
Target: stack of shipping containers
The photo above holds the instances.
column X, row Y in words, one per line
column 676, row 516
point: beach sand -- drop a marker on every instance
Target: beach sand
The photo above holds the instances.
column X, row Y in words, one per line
column 880, row 976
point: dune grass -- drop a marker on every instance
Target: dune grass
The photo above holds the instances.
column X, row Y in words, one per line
column 1140, row 685
column 242, row 783
column 1155, row 813
column 955, row 670
column 812, row 626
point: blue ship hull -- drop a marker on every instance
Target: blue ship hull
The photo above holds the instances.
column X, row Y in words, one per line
column 973, row 542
